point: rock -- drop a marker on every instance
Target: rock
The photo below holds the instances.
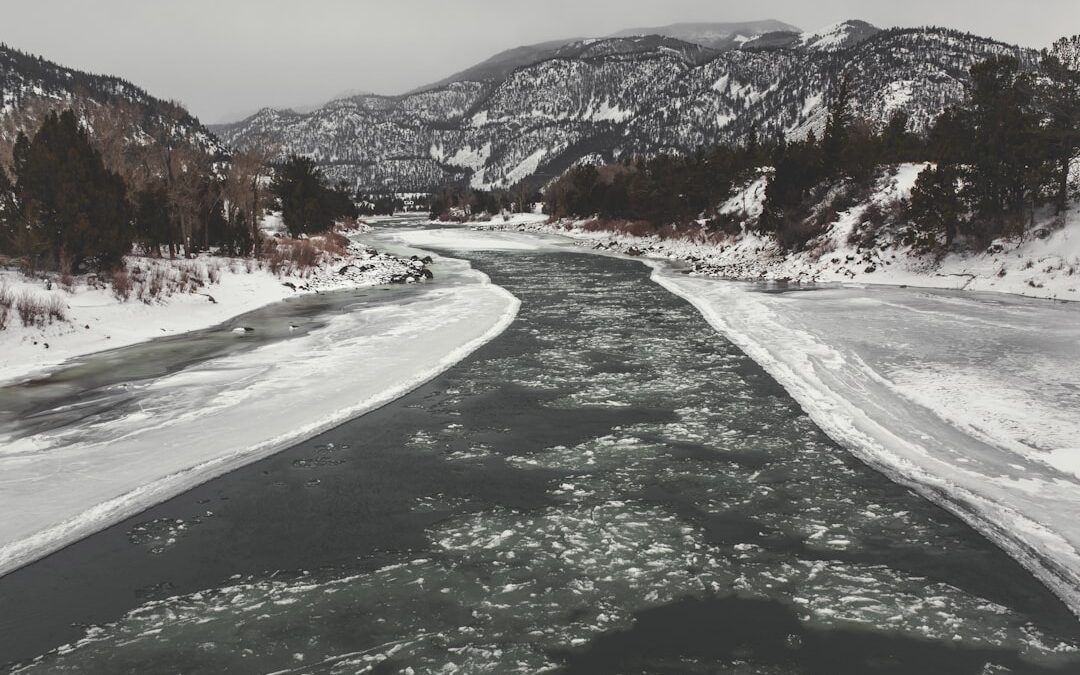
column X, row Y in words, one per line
column 634, row 251
column 426, row 273
column 427, row 260
column 239, row 330
column 289, row 284
column 870, row 269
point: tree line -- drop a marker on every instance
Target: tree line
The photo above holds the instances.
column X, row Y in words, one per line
column 71, row 201
column 466, row 203
column 998, row 160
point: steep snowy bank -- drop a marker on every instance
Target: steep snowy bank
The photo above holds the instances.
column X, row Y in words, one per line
column 182, row 429
column 193, row 294
column 971, row 399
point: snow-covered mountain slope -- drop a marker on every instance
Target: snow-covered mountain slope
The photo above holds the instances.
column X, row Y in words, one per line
column 843, row 35
column 28, row 81
column 609, row 98
column 719, row 36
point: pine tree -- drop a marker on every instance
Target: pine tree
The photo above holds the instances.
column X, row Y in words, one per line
column 935, row 205
column 1003, row 134
column 153, row 220
column 68, row 199
column 298, row 185
column 838, row 128
column 1059, row 96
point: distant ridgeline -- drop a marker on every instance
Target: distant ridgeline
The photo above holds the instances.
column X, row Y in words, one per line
column 531, row 113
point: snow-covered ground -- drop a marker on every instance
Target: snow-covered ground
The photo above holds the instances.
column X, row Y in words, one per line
column 181, row 429
column 215, row 289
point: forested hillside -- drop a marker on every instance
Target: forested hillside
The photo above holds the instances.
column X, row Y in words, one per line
column 604, row 100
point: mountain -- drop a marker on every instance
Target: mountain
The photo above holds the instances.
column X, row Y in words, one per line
column 503, row 63
column 610, row 98
column 843, row 35
column 30, row 84
column 718, row 36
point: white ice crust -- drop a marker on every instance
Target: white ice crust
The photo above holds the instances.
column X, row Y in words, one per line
column 218, row 415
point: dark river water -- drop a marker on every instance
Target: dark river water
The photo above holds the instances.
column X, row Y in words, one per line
column 607, row 487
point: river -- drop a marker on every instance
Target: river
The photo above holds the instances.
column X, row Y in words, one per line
column 608, row 486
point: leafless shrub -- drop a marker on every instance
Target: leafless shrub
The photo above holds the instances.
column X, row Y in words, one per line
column 122, row 285
column 293, row 256
column 633, row 228
column 7, row 300
column 56, row 308
column 153, row 284
column 35, row 310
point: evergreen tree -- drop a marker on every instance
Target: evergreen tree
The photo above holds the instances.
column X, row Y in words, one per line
column 898, row 144
column 69, row 199
column 1059, row 97
column 1003, row 133
column 834, row 144
column 153, row 220
column 935, row 205
column 307, row 205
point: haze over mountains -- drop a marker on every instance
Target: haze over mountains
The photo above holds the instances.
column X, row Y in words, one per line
column 719, row 36
column 532, row 112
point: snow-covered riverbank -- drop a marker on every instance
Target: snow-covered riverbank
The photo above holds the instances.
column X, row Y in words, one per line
column 969, row 398
column 178, row 296
column 1044, row 264
column 167, row 434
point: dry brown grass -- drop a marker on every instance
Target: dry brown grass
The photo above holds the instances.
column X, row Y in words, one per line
column 37, row 310
column 7, row 301
column 284, row 256
column 633, row 228
column 158, row 280
column 121, row 285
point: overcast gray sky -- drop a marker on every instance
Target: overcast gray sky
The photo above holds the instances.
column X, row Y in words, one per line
column 227, row 58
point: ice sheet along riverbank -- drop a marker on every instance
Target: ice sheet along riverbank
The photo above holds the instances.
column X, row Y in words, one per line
column 106, row 437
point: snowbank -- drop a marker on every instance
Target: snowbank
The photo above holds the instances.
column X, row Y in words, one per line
column 214, row 416
column 220, row 288
column 969, row 399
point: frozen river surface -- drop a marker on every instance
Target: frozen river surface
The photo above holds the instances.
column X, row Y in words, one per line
column 607, row 487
